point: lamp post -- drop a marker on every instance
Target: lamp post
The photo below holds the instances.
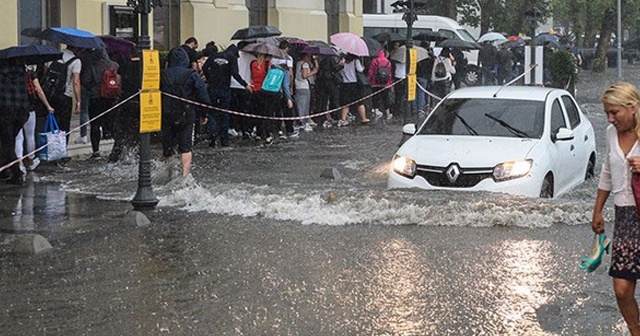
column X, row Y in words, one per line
column 407, row 7
column 144, row 199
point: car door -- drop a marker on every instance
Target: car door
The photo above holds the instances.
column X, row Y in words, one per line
column 582, row 130
column 564, row 157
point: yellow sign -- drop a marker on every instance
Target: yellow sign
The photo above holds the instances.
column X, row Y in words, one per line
column 411, row 92
column 413, row 61
column 150, row 70
column 150, row 111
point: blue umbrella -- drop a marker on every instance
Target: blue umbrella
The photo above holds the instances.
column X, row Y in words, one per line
column 73, row 37
column 30, row 54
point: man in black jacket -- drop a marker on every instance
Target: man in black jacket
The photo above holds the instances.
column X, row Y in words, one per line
column 218, row 69
column 178, row 117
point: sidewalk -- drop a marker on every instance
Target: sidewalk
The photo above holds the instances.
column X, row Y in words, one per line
column 74, row 149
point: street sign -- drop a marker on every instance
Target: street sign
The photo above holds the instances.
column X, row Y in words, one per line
column 150, row 70
column 413, row 61
column 150, row 97
column 150, row 111
column 411, row 81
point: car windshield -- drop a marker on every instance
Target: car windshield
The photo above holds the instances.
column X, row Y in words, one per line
column 487, row 117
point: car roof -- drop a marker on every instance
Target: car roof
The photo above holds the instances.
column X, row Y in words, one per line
column 506, row 92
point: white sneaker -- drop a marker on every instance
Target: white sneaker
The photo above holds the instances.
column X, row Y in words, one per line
column 342, row 123
column 327, row 124
column 311, row 123
column 80, row 140
column 307, row 128
column 34, row 164
column 232, row 132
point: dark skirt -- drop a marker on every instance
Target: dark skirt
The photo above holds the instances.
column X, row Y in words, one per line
column 625, row 247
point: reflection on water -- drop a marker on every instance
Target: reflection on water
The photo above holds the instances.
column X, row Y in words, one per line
column 395, row 299
column 521, row 271
column 35, row 206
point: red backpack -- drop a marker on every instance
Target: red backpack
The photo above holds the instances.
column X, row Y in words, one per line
column 111, row 83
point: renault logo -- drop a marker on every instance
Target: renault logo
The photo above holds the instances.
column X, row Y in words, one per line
column 453, row 172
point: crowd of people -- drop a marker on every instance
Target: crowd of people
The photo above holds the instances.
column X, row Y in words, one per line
column 231, row 80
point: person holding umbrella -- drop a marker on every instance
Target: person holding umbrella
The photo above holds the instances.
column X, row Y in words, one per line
column 64, row 104
column 262, row 102
column 15, row 105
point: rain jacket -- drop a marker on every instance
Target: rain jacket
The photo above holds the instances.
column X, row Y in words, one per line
column 195, row 87
column 380, row 61
column 221, row 66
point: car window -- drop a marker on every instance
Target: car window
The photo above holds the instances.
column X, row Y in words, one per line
column 572, row 111
column 557, row 117
column 487, row 117
column 448, row 33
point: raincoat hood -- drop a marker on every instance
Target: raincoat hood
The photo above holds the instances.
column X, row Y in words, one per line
column 179, row 58
column 233, row 50
column 381, row 54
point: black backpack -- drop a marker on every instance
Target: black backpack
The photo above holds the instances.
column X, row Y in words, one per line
column 382, row 74
column 175, row 111
column 55, row 78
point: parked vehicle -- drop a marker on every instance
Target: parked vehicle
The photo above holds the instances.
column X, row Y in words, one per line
column 378, row 23
column 529, row 141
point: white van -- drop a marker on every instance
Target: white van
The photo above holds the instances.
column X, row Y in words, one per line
column 377, row 23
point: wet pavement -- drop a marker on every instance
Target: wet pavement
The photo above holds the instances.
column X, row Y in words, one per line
column 254, row 245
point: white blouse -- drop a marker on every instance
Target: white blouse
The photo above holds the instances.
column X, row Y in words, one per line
column 619, row 184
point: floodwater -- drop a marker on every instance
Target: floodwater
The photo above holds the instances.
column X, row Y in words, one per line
column 252, row 244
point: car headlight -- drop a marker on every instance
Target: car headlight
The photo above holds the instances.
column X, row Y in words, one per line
column 404, row 166
column 512, row 170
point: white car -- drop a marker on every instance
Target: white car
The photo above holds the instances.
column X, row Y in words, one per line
column 521, row 140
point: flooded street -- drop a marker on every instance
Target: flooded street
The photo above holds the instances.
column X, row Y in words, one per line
column 253, row 244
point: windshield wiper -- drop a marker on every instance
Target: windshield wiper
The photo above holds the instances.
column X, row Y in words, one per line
column 466, row 125
column 517, row 132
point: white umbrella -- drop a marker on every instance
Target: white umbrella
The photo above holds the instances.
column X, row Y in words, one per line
column 492, row 36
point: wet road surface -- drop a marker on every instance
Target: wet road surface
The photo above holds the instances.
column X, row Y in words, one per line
column 252, row 246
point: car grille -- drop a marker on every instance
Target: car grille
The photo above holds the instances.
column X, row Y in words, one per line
column 467, row 178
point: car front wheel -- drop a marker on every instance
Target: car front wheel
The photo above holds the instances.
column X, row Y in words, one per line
column 546, row 191
column 471, row 76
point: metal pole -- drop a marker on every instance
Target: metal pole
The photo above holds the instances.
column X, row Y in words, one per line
column 619, row 39
column 144, row 198
column 532, row 43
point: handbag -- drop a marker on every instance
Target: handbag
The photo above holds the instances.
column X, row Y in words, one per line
column 54, row 139
column 361, row 79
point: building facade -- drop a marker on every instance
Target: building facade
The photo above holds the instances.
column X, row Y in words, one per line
column 175, row 20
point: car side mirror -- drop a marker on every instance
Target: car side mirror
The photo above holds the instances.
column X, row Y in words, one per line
column 409, row 129
column 564, row 134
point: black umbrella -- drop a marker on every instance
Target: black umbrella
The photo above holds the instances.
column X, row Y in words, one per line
column 373, row 45
column 253, row 32
column 429, row 35
column 459, row 44
column 73, row 37
column 388, row 36
column 30, row 54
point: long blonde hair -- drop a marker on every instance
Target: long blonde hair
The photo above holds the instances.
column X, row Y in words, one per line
column 624, row 94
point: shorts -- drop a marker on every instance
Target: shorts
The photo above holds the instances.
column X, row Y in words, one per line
column 177, row 134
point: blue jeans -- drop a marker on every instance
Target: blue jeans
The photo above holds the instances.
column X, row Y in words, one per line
column 421, row 97
column 218, row 122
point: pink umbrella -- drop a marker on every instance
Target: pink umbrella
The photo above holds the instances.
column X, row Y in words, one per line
column 350, row 43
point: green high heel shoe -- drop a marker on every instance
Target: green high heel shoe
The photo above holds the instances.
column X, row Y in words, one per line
column 600, row 245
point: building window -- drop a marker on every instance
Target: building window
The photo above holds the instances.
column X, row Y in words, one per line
column 166, row 25
column 30, row 20
column 369, row 7
column 258, row 12
column 332, row 8
column 123, row 22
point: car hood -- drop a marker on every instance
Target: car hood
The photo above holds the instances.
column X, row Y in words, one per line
column 467, row 151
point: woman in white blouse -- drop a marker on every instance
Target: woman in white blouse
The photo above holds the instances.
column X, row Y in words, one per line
column 622, row 158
